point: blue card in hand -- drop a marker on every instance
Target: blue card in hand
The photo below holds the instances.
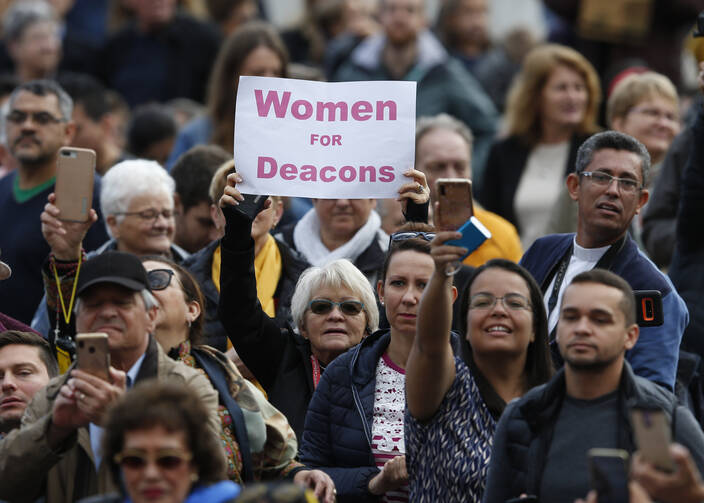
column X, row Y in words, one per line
column 473, row 235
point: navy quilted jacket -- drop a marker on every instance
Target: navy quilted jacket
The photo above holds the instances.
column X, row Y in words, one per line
column 337, row 432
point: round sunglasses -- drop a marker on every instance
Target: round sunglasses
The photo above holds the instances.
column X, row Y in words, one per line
column 324, row 306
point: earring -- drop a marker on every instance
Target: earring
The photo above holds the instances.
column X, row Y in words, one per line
column 381, row 302
column 189, row 322
column 194, row 477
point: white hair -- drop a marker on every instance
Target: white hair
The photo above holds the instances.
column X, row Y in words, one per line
column 340, row 273
column 128, row 179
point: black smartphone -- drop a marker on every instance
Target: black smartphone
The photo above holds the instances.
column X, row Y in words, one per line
column 648, row 308
column 252, row 205
column 608, row 470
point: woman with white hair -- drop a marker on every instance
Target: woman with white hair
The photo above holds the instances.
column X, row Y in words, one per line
column 137, row 200
column 333, row 307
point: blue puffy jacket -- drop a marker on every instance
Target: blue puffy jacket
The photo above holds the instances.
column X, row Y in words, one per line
column 338, row 427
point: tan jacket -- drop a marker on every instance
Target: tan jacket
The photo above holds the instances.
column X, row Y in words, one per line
column 29, row 468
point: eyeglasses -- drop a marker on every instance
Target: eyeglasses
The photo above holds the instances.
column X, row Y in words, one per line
column 40, row 118
column 324, row 306
column 165, row 460
column 151, row 214
column 159, row 279
column 655, row 113
column 626, row 185
column 512, row 301
column 402, row 236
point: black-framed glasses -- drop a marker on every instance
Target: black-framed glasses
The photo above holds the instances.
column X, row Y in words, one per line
column 169, row 459
column 347, row 307
column 403, row 236
column 512, row 301
column 40, row 118
column 602, row 179
column 150, row 214
column 159, row 279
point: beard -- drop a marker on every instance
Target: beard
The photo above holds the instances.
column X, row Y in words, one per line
column 591, row 366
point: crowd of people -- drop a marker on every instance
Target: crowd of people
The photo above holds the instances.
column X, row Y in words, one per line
column 346, row 350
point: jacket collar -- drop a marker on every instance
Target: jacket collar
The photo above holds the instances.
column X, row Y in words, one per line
column 362, row 366
column 431, row 53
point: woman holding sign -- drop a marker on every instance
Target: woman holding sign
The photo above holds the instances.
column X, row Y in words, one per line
column 454, row 403
column 333, row 307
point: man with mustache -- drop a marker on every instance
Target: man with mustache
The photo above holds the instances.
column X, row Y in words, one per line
column 26, row 365
column 609, row 186
column 38, row 123
column 541, row 441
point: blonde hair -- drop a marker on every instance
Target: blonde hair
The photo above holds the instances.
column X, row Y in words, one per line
column 523, row 103
column 635, row 88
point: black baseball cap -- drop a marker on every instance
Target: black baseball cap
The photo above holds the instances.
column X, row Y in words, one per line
column 119, row 268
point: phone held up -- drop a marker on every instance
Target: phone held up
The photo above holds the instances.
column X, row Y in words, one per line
column 454, row 203
column 92, row 355
column 608, row 471
column 75, row 171
column 653, row 436
column 252, row 205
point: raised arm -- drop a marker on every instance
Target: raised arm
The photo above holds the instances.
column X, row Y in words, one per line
column 430, row 369
column 255, row 336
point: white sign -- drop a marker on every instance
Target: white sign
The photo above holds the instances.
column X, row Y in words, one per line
column 324, row 140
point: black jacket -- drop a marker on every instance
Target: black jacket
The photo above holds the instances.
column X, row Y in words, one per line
column 278, row 357
column 200, row 265
column 524, row 433
column 504, row 168
column 687, row 269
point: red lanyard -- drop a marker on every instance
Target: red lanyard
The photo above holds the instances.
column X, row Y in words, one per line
column 316, row 370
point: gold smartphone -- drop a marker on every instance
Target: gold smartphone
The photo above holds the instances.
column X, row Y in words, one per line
column 653, row 437
column 92, row 354
column 75, row 171
column 454, row 203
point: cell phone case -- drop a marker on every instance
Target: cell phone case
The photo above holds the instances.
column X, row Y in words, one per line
column 473, row 235
column 455, row 204
column 92, row 354
column 75, row 171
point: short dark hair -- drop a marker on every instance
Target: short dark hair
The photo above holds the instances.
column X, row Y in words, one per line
column 177, row 408
column 616, row 141
column 539, row 366
column 418, row 244
column 193, row 172
column 150, row 124
column 44, row 87
column 608, row 278
column 87, row 91
column 46, row 355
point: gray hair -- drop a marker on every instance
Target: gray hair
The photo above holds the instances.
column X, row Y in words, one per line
column 613, row 140
column 44, row 87
column 128, row 179
column 147, row 297
column 23, row 14
column 426, row 124
column 339, row 273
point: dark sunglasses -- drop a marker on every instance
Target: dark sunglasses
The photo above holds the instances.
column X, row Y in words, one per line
column 159, row 279
column 167, row 460
column 402, row 236
column 324, row 306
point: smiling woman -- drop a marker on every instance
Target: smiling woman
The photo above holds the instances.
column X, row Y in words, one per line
column 454, row 403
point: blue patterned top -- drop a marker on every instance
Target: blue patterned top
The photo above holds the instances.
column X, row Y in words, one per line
column 447, row 458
